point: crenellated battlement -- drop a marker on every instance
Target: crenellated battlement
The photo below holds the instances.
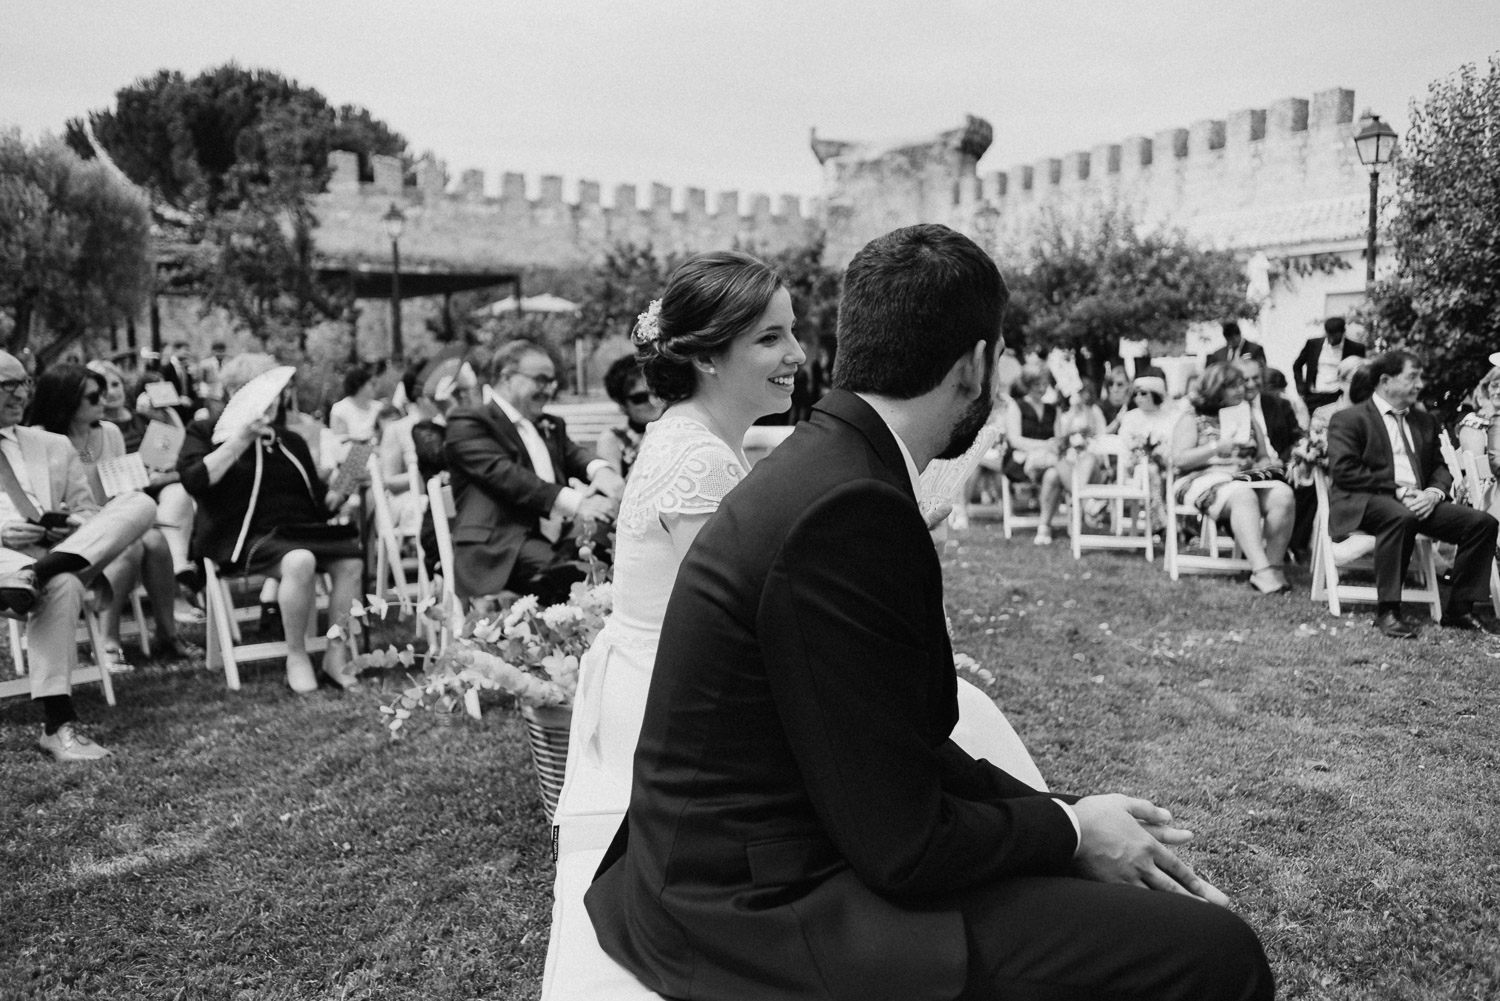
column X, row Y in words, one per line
column 460, row 224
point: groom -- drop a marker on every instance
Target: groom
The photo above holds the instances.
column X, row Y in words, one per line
column 800, row 825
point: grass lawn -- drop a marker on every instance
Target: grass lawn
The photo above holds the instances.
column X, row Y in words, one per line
column 260, row 845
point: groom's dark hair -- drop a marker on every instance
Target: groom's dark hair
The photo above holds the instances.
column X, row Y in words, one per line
column 914, row 302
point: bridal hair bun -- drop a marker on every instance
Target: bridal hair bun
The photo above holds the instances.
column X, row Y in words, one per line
column 709, row 300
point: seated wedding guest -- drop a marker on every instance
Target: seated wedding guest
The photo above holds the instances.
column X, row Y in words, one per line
column 1354, row 387
column 1214, row 473
column 263, row 508
column 1316, row 369
column 801, row 824
column 1031, row 433
column 55, row 541
column 1479, row 429
column 1387, row 477
column 626, row 385
column 1147, row 428
column 1116, row 399
column 68, row 400
column 1273, row 416
column 132, row 424
column 1275, row 385
column 1077, row 427
column 511, row 466
column 355, row 417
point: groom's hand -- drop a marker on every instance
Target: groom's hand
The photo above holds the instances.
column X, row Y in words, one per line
column 1124, row 840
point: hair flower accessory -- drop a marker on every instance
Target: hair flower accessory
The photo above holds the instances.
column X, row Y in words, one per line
column 648, row 324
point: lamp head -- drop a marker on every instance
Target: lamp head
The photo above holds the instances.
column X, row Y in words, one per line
column 395, row 222
column 1375, row 143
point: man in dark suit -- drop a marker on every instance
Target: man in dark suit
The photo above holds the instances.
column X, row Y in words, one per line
column 800, row 824
column 177, row 366
column 1387, row 477
column 511, row 465
column 1275, row 417
column 1235, row 346
column 1316, row 370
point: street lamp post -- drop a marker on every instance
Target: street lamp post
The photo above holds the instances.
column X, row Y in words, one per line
column 1374, row 144
column 395, row 222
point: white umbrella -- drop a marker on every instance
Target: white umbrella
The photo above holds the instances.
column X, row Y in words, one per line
column 544, row 303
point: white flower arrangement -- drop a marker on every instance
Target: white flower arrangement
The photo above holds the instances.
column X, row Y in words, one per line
column 527, row 651
column 648, row 324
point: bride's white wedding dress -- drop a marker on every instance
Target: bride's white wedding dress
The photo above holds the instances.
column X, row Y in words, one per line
column 680, row 475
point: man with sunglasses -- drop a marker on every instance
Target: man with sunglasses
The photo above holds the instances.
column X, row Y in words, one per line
column 512, row 466
column 54, row 540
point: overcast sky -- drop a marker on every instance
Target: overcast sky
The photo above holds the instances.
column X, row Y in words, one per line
column 721, row 95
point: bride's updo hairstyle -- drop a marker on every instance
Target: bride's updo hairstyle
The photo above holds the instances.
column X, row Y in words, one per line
column 710, row 300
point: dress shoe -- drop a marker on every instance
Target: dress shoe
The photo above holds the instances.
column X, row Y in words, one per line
column 67, row 744
column 1394, row 626
column 18, row 592
column 1470, row 621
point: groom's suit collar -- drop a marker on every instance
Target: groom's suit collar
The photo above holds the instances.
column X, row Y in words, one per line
column 854, row 411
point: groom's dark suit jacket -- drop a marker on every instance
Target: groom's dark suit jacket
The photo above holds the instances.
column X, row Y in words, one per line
column 499, row 498
column 800, row 822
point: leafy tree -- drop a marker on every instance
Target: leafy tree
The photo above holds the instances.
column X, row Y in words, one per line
column 242, row 152
column 1085, row 283
column 74, row 243
column 1443, row 300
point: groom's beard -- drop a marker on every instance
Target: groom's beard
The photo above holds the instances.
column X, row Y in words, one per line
column 966, row 431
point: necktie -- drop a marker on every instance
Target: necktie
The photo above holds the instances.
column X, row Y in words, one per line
column 13, row 489
column 1411, row 456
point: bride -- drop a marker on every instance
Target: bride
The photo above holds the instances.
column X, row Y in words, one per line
column 718, row 348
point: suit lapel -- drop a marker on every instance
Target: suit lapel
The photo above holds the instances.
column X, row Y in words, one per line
column 508, row 432
column 39, row 468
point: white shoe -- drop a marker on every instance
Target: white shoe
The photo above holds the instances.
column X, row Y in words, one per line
column 67, row 744
column 1043, row 537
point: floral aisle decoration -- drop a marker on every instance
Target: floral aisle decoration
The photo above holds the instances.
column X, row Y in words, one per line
column 524, row 650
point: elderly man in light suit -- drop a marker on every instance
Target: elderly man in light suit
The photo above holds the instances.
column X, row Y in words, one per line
column 47, row 564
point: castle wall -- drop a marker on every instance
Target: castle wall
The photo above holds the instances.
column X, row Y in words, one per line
column 463, row 228
column 1282, row 180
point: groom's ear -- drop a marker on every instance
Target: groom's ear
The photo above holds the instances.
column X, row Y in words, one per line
column 970, row 370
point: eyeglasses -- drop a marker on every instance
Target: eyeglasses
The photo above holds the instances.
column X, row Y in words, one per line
column 13, row 385
column 638, row 399
column 541, row 381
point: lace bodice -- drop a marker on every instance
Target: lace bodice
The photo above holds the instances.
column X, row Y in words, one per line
column 682, row 469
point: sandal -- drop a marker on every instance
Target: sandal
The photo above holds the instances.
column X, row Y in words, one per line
column 1269, row 580
column 114, row 659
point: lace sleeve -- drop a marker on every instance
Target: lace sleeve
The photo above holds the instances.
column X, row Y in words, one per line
column 698, row 480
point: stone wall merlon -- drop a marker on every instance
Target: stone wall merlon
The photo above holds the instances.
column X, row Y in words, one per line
column 1104, row 160
column 389, row 175
column 588, row 194
column 697, row 202
column 1330, row 108
column 661, row 198
column 1286, row 116
column 791, row 207
column 625, row 198
column 512, row 187
column 1245, row 127
column 1048, row 173
column 1170, row 144
column 471, row 185
column 551, row 192
column 729, row 204
column 1075, row 167
column 1206, row 136
column 760, row 208
column 1135, row 153
column 345, row 167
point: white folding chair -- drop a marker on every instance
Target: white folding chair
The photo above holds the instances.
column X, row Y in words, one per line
column 391, row 565
column 226, row 647
column 1013, row 521
column 98, row 671
column 1331, row 560
column 1127, row 497
column 1216, row 554
column 440, row 503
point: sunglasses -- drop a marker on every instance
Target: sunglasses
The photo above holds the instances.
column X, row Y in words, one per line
column 92, row 397
column 638, row 399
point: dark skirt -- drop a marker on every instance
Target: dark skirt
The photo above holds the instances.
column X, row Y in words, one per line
column 263, row 553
